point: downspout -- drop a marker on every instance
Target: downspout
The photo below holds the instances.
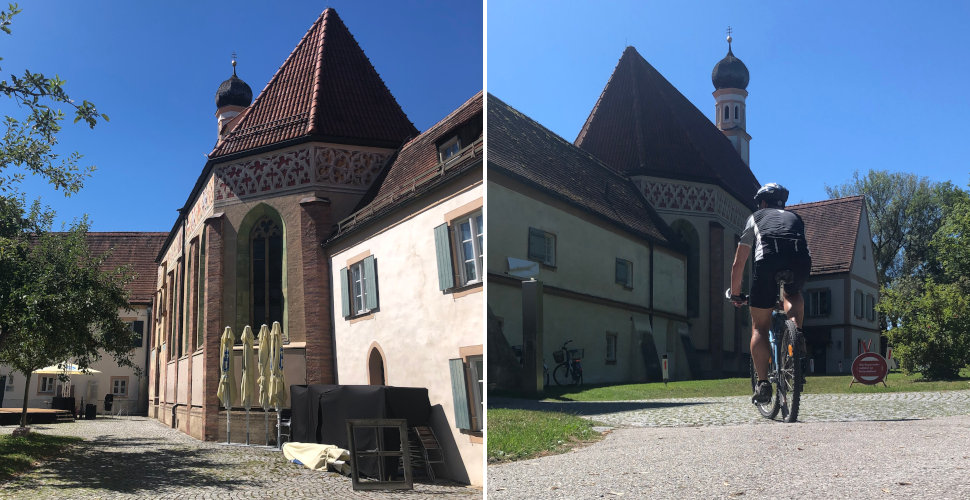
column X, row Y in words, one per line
column 333, row 314
column 146, row 340
column 651, row 285
column 181, row 318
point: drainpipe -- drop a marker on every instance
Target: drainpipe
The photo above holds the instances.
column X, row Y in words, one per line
column 145, row 340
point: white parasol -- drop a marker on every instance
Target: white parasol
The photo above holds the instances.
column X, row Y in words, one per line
column 264, row 369
column 248, row 381
column 277, row 382
column 227, row 378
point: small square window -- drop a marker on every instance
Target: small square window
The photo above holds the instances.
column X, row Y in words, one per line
column 624, row 272
column 46, row 385
column 449, row 149
column 542, row 247
column 611, row 347
column 119, row 386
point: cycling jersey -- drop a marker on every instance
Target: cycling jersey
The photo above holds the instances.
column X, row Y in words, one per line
column 778, row 240
column 774, row 231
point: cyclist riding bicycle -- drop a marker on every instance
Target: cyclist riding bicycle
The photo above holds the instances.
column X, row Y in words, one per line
column 777, row 237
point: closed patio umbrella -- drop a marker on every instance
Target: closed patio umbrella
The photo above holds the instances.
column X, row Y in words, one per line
column 227, row 379
column 264, row 369
column 247, row 386
column 277, row 382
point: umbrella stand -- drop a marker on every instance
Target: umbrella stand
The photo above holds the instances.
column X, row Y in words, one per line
column 228, row 441
column 279, row 422
column 247, row 426
column 266, row 422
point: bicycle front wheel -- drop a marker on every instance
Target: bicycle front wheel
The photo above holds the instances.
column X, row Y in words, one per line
column 561, row 375
column 769, row 409
column 790, row 383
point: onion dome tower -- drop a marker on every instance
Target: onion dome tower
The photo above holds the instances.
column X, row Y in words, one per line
column 232, row 98
column 730, row 79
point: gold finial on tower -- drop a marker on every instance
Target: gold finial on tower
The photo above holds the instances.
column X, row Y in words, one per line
column 729, row 39
column 233, row 63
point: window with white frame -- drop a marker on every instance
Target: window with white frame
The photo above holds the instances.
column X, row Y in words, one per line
column 468, row 236
column 47, row 385
column 624, row 272
column 542, row 247
column 119, row 386
column 611, row 347
column 448, row 149
column 818, row 303
column 459, row 248
column 358, row 284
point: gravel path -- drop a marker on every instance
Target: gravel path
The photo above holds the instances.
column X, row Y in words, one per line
column 141, row 458
column 902, row 445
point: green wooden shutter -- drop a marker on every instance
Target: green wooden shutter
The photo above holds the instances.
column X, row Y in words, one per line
column 442, row 246
column 344, row 292
column 459, row 394
column 370, row 283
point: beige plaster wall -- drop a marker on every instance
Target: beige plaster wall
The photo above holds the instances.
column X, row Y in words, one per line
column 418, row 327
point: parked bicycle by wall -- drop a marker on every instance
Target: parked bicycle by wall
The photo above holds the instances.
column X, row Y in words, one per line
column 569, row 367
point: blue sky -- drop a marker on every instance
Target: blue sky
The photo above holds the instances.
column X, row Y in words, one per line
column 154, row 69
column 835, row 86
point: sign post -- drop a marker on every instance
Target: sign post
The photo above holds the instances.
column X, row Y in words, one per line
column 869, row 368
column 666, row 371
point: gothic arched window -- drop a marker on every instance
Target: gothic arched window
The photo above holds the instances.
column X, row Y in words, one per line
column 266, row 253
column 727, row 112
column 735, row 112
column 691, row 240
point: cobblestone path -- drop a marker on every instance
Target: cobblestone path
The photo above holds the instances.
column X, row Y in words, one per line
column 141, row 458
column 890, row 445
column 692, row 412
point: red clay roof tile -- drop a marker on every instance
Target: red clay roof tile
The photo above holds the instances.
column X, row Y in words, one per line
column 137, row 249
column 326, row 90
column 831, row 228
column 522, row 148
column 642, row 125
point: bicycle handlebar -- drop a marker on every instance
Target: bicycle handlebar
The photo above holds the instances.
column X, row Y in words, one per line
column 738, row 300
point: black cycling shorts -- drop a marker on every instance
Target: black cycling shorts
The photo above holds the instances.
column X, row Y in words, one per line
column 764, row 289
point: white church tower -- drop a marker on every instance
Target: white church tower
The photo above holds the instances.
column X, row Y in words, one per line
column 730, row 78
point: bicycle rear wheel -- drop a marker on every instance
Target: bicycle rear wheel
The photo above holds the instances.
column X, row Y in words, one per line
column 790, row 382
column 769, row 409
column 561, row 375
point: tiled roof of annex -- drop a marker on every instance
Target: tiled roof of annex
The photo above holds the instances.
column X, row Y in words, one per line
column 522, row 148
column 416, row 168
column 326, row 90
column 642, row 125
column 136, row 249
column 831, row 229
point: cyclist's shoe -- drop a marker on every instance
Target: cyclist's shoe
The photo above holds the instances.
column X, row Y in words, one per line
column 762, row 392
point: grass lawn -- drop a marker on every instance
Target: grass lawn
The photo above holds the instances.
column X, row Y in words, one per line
column 18, row 454
column 520, row 434
column 821, row 384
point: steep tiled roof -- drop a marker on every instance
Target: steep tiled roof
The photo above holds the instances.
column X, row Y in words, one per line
column 137, row 250
column 642, row 125
column 831, row 227
column 416, row 168
column 326, row 90
column 524, row 149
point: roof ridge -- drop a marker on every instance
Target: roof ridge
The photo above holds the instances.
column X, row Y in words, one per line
column 844, row 199
column 442, row 122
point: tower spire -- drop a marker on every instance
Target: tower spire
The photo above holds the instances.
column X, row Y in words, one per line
column 234, row 63
column 730, row 79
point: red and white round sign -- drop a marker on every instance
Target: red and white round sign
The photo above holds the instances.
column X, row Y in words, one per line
column 869, row 368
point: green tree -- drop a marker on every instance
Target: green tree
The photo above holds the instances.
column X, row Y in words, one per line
column 56, row 302
column 28, row 141
column 927, row 315
column 905, row 211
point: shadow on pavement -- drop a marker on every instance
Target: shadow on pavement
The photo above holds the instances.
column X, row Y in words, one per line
column 585, row 408
column 115, row 464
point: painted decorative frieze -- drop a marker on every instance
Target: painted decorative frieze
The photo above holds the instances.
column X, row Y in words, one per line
column 671, row 196
column 318, row 165
column 202, row 207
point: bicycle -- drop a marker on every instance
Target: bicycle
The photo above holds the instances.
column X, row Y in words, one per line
column 569, row 369
column 784, row 365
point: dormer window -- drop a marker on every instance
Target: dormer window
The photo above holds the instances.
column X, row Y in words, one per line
column 448, row 149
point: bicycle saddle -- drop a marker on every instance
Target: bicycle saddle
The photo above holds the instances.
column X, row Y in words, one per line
column 785, row 275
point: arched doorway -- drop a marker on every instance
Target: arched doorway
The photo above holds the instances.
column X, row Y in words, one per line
column 376, row 375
